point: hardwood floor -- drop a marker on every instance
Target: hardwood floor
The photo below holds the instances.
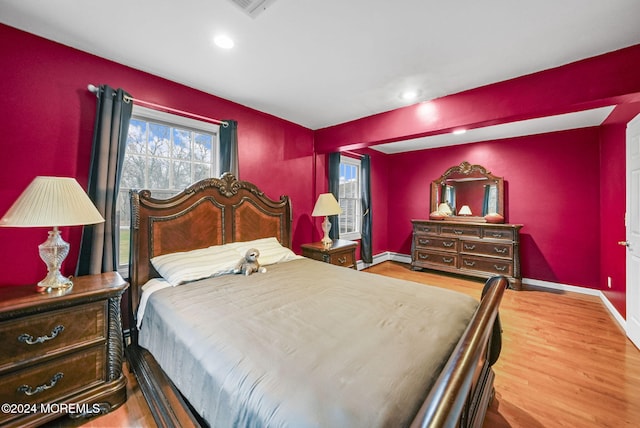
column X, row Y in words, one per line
column 565, row 362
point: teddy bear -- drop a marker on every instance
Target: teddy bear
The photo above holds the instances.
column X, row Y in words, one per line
column 249, row 263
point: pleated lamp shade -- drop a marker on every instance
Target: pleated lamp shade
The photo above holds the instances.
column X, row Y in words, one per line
column 326, row 205
column 52, row 201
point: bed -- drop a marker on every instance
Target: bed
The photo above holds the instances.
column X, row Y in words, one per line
column 304, row 344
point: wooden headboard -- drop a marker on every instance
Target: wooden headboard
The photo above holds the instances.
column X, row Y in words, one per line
column 213, row 211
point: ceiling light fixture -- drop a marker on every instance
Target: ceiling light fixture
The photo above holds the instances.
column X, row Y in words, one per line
column 409, row 95
column 223, row 41
column 459, row 131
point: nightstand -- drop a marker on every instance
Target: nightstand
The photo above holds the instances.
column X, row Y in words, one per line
column 341, row 252
column 61, row 354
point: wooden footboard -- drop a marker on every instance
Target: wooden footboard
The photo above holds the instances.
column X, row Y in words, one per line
column 461, row 395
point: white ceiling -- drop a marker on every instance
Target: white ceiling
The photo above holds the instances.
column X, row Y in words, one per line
column 561, row 122
column 323, row 62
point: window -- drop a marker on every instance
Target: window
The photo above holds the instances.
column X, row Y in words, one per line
column 349, row 198
column 164, row 153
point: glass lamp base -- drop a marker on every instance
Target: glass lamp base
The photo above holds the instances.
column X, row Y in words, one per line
column 327, row 242
column 53, row 252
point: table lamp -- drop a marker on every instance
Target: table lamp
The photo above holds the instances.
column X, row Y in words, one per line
column 326, row 205
column 465, row 210
column 52, row 202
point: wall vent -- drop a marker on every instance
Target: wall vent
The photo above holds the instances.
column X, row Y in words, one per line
column 253, row 8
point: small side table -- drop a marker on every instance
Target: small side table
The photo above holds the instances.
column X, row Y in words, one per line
column 61, row 349
column 341, row 252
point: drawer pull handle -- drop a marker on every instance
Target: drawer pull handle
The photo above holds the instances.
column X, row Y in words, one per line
column 468, row 263
column 27, row 390
column 30, row 340
column 499, row 268
column 423, row 241
column 497, row 235
column 458, row 231
column 469, row 247
column 342, row 260
column 423, row 256
column 500, row 250
column 447, row 260
column 448, row 244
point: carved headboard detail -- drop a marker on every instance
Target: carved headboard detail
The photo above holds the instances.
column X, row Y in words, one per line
column 213, row 211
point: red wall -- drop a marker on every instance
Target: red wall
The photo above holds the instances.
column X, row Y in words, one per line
column 548, row 190
column 567, row 188
column 551, row 178
column 379, row 198
column 612, row 212
column 47, row 115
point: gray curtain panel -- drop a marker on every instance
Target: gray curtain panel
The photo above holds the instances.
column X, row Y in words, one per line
column 229, row 148
column 98, row 249
column 365, row 183
column 334, row 187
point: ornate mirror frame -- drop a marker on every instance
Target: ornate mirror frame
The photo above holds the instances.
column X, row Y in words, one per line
column 470, row 182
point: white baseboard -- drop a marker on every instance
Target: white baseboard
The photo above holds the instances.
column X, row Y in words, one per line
column 562, row 287
column 582, row 290
column 406, row 258
column 383, row 257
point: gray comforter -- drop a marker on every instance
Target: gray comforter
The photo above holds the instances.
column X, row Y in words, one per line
column 305, row 344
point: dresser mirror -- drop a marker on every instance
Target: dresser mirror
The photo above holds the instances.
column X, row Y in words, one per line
column 467, row 193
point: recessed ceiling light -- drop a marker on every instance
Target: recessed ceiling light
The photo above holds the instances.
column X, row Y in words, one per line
column 459, row 131
column 409, row 95
column 223, row 41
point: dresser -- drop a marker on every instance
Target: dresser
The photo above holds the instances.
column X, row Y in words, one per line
column 341, row 252
column 476, row 249
column 61, row 354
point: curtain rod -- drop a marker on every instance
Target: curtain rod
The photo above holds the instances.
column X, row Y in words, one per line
column 127, row 98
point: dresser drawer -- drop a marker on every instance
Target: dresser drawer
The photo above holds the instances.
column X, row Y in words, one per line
column 500, row 233
column 53, row 380
column 428, row 257
column 494, row 249
column 461, row 230
column 471, row 248
column 425, row 228
column 485, row 264
column 436, row 243
column 31, row 337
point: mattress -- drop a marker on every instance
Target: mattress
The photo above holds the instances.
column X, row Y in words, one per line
column 306, row 344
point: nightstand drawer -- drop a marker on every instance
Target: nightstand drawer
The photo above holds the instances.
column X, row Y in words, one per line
column 340, row 253
column 31, row 337
column 345, row 258
column 53, row 380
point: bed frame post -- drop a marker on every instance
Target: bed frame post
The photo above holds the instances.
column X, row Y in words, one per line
column 454, row 398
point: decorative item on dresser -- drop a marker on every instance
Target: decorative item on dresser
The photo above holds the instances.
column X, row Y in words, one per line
column 61, row 354
column 475, row 242
column 340, row 253
column 475, row 249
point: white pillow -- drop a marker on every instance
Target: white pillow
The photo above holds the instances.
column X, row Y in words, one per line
column 178, row 268
column 271, row 251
